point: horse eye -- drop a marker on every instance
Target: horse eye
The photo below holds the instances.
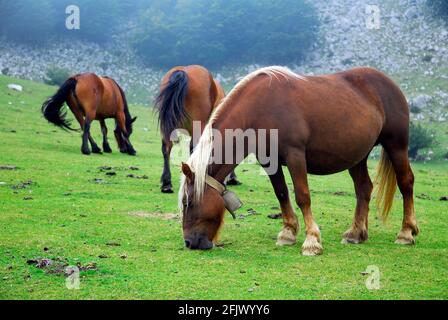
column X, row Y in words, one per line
column 187, row 203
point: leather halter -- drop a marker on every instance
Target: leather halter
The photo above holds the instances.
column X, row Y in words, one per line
column 231, row 201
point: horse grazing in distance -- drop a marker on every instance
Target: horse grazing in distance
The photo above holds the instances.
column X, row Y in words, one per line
column 90, row 98
column 187, row 94
column 326, row 124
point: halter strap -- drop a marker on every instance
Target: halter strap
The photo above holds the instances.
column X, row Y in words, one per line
column 215, row 184
column 218, row 186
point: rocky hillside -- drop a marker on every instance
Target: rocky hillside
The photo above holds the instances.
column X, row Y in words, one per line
column 411, row 45
column 116, row 61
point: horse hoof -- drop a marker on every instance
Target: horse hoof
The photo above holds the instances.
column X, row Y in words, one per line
column 312, row 247
column 233, row 182
column 405, row 242
column 354, row 237
column 350, row 241
column 107, row 149
column 97, row 151
column 405, row 238
column 286, row 238
column 167, row 190
column 132, row 153
column 86, row 152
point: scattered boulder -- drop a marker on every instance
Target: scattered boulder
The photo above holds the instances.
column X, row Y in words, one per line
column 421, row 101
column 22, row 185
column 15, row 87
column 8, row 168
column 133, row 176
column 411, row 13
column 113, row 244
column 99, row 181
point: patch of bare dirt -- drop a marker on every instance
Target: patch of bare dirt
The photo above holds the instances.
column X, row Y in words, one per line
column 59, row 266
column 155, row 215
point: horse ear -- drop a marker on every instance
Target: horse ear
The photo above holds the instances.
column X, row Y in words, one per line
column 187, row 172
column 133, row 120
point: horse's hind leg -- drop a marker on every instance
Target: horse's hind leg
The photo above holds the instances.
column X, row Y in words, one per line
column 85, row 149
column 166, row 175
column 358, row 233
column 125, row 135
column 86, row 138
column 405, row 181
column 95, row 148
column 233, row 180
column 106, row 146
column 296, row 162
column 290, row 223
column 84, row 124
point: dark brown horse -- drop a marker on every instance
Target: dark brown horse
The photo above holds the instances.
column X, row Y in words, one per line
column 326, row 124
column 187, row 94
column 90, row 98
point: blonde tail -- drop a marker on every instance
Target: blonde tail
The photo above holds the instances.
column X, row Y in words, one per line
column 386, row 182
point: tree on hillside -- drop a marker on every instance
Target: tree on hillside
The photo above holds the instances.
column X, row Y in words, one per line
column 440, row 7
column 27, row 21
column 213, row 32
column 100, row 19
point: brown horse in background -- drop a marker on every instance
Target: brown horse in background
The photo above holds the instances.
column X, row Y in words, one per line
column 326, row 124
column 187, row 94
column 90, row 98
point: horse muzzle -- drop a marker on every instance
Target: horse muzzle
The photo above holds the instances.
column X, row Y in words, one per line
column 198, row 243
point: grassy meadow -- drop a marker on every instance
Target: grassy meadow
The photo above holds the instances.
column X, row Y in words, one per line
column 61, row 205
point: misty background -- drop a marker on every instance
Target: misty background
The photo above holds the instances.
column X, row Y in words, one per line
column 137, row 41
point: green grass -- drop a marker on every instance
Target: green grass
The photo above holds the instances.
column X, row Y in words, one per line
column 75, row 219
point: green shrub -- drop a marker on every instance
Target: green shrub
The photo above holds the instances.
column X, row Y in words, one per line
column 420, row 138
column 440, row 7
column 57, row 76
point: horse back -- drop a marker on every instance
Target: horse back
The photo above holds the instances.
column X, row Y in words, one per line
column 203, row 94
column 386, row 95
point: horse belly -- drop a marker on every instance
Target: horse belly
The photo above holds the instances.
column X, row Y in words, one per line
column 104, row 112
column 341, row 144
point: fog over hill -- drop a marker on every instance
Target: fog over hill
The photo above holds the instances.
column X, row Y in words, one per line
column 411, row 45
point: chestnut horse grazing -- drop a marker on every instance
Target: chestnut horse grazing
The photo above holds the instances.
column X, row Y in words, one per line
column 91, row 97
column 187, row 94
column 326, row 124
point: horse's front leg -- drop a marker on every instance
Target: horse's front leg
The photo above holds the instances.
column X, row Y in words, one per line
column 290, row 223
column 167, row 187
column 297, row 167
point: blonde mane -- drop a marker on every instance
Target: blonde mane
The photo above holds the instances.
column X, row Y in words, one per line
column 201, row 156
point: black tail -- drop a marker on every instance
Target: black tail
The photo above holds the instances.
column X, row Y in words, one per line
column 170, row 103
column 52, row 108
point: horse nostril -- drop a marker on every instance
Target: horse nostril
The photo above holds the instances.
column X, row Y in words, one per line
column 188, row 244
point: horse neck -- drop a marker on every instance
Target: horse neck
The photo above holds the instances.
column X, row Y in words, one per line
column 222, row 170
